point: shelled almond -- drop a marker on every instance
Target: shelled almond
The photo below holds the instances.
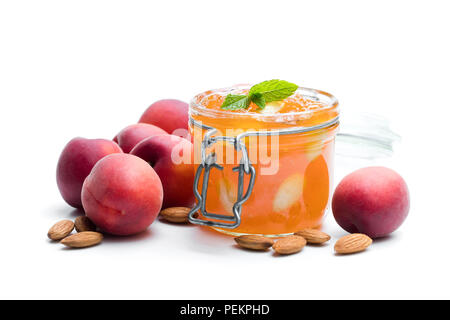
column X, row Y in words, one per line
column 83, row 223
column 176, row 214
column 289, row 245
column 254, row 242
column 60, row 230
column 352, row 243
column 313, row 236
column 83, row 239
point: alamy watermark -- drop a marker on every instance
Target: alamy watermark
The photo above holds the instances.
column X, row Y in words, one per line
column 263, row 148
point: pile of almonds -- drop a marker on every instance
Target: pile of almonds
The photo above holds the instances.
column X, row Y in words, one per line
column 86, row 235
column 351, row 243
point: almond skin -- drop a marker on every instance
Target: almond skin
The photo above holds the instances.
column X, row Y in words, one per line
column 254, row 242
column 313, row 236
column 60, row 230
column 352, row 243
column 83, row 239
column 176, row 214
column 83, row 223
column 289, row 245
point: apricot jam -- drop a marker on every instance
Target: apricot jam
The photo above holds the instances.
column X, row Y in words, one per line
column 293, row 165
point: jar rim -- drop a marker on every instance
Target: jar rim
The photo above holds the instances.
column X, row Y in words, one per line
column 314, row 94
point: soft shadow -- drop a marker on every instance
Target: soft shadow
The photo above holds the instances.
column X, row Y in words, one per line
column 76, row 213
column 279, row 256
column 63, row 212
column 384, row 239
column 209, row 232
column 209, row 241
column 350, row 254
column 108, row 238
column 236, row 246
column 64, row 248
column 318, row 245
column 178, row 225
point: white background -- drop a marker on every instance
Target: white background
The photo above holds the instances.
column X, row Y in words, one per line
column 89, row 68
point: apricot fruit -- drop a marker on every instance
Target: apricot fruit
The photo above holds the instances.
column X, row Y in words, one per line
column 171, row 157
column 135, row 133
column 75, row 163
column 122, row 195
column 170, row 115
column 372, row 200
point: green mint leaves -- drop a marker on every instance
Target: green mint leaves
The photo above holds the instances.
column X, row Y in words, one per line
column 258, row 99
column 234, row 102
column 273, row 90
column 260, row 94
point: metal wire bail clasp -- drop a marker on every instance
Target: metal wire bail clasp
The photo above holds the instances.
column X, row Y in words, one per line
column 208, row 163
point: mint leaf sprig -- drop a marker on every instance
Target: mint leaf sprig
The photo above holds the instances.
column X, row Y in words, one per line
column 260, row 94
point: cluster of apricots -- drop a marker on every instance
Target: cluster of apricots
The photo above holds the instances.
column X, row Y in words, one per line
column 122, row 184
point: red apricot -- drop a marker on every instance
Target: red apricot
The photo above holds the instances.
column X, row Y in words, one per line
column 170, row 115
column 75, row 163
column 135, row 133
column 373, row 201
column 122, row 195
column 172, row 159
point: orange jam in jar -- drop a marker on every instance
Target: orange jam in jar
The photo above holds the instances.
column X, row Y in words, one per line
column 289, row 148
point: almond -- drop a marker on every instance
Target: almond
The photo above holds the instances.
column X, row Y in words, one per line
column 176, row 214
column 83, row 239
column 83, row 223
column 254, row 242
column 60, row 230
column 352, row 243
column 289, row 245
column 313, row 236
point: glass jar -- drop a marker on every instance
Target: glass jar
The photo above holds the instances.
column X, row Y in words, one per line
column 263, row 172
